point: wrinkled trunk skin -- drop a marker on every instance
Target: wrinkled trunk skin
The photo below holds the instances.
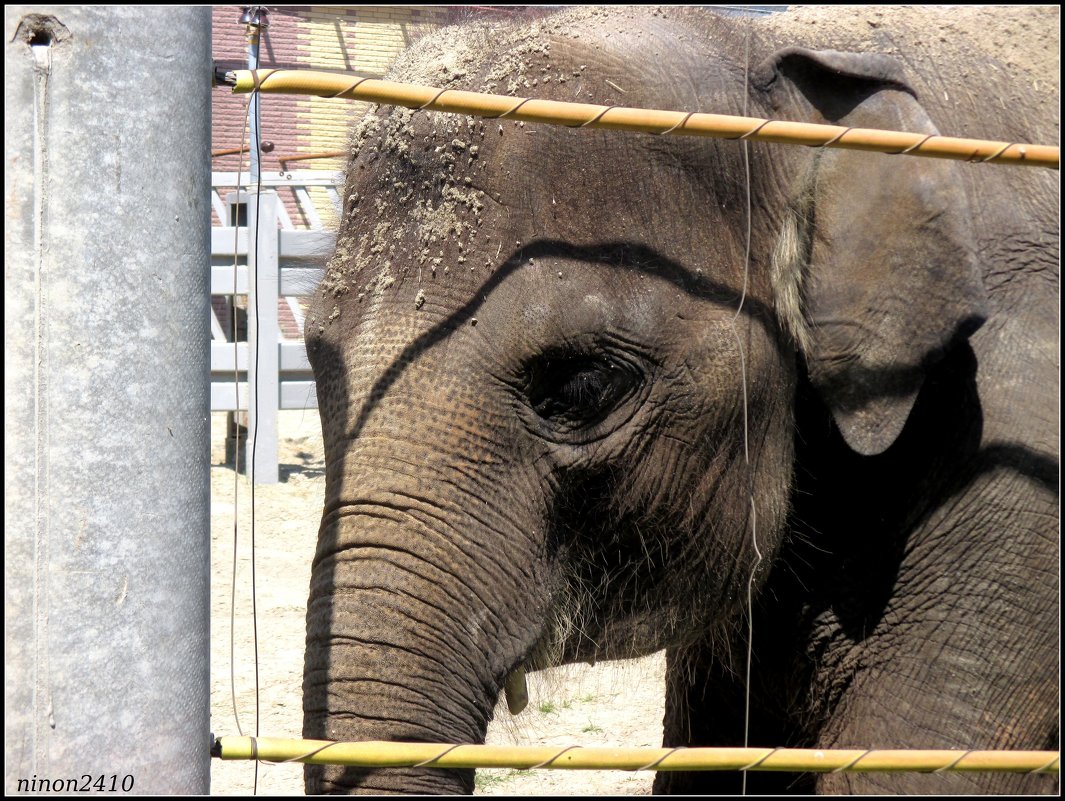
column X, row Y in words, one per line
column 379, row 574
column 414, row 618
column 365, row 679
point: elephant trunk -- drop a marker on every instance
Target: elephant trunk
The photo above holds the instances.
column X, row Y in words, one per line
column 401, row 642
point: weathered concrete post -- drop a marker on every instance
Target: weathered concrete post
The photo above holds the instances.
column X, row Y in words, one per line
column 107, row 493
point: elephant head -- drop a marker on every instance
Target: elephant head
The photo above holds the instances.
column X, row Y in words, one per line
column 557, row 368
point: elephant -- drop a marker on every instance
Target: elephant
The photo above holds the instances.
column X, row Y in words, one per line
column 789, row 411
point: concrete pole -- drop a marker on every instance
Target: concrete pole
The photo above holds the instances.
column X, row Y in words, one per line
column 107, row 431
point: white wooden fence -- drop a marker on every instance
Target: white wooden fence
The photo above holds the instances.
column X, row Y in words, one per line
column 270, row 373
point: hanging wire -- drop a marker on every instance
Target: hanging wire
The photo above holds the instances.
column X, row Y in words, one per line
column 254, row 432
column 236, row 426
column 746, row 427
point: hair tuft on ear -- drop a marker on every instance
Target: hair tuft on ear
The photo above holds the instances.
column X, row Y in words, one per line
column 790, row 262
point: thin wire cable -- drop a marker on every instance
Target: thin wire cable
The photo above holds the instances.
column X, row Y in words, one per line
column 655, row 763
column 1045, row 768
column 236, row 443
column 758, row 762
column 425, row 762
column 850, row 765
column 255, row 424
column 547, row 762
column 252, row 275
column 746, row 434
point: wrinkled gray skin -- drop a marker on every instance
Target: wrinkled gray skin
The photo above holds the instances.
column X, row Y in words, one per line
column 555, row 426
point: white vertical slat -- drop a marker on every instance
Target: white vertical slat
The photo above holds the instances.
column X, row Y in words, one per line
column 334, row 198
column 307, row 205
column 217, row 334
column 263, row 335
column 297, row 312
column 219, row 207
column 283, row 218
column 283, row 368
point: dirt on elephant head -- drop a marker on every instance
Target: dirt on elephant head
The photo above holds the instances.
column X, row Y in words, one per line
column 944, row 50
column 427, row 166
column 1022, row 41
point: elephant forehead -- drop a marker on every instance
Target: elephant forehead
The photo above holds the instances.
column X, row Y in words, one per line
column 430, row 192
column 450, row 213
column 440, row 210
column 559, row 298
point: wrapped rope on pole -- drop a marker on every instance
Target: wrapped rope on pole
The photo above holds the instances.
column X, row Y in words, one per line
column 653, row 121
column 375, row 754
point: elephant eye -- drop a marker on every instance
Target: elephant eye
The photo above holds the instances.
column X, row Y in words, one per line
column 577, row 390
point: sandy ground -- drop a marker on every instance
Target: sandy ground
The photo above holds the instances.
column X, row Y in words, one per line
column 612, row 704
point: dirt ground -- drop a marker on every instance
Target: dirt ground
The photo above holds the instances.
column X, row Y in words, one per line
column 611, row 704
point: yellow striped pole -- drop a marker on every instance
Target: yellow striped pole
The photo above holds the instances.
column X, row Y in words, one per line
column 373, row 754
column 676, row 123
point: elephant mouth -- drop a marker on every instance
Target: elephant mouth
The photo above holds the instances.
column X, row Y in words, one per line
column 579, row 634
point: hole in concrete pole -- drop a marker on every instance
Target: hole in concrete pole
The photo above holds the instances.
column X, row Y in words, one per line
column 41, row 30
column 41, row 39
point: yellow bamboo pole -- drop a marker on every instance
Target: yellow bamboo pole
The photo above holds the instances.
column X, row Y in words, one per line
column 678, row 123
column 374, row 754
column 231, row 151
column 329, row 154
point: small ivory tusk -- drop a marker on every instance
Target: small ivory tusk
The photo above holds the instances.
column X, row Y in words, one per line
column 517, row 691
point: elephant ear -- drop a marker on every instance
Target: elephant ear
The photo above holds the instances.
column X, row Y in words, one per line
column 875, row 271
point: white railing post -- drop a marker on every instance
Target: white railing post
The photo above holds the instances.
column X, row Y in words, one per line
column 264, row 336
column 291, row 264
